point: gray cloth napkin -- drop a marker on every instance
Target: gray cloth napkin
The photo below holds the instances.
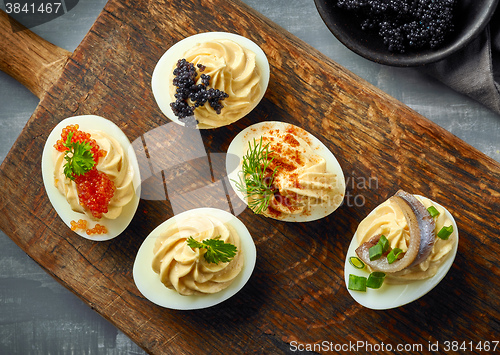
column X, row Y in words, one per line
column 475, row 69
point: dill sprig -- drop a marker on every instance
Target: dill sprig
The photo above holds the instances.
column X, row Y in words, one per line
column 255, row 183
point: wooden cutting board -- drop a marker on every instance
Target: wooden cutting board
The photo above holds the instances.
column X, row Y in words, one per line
column 296, row 294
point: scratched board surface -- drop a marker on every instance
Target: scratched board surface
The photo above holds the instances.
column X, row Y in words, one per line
column 297, row 292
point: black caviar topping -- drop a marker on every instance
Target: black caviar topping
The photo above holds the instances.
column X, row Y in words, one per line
column 185, row 75
column 405, row 24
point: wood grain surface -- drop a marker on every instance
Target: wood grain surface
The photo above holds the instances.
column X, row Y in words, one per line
column 36, row 64
column 297, row 292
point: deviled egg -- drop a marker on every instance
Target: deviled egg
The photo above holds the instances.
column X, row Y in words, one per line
column 195, row 259
column 210, row 79
column 285, row 173
column 91, row 176
column 400, row 251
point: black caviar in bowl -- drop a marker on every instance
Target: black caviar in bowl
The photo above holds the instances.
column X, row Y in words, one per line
column 469, row 19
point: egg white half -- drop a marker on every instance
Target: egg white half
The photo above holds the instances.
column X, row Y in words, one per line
column 58, row 201
column 239, row 147
column 162, row 74
column 395, row 295
column 149, row 284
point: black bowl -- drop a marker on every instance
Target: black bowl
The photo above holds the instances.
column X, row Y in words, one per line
column 470, row 18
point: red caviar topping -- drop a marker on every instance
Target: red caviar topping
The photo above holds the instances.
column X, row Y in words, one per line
column 98, row 229
column 82, row 224
column 79, row 136
column 95, row 188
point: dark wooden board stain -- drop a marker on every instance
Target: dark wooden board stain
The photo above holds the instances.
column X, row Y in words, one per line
column 296, row 292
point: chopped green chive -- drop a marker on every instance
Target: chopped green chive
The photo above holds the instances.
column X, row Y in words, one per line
column 445, row 232
column 384, row 242
column 375, row 279
column 356, row 262
column 357, row 283
column 393, row 255
column 376, row 251
column 433, row 211
column 360, row 283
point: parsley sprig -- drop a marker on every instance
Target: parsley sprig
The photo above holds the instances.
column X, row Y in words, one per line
column 217, row 250
column 79, row 158
column 257, row 184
